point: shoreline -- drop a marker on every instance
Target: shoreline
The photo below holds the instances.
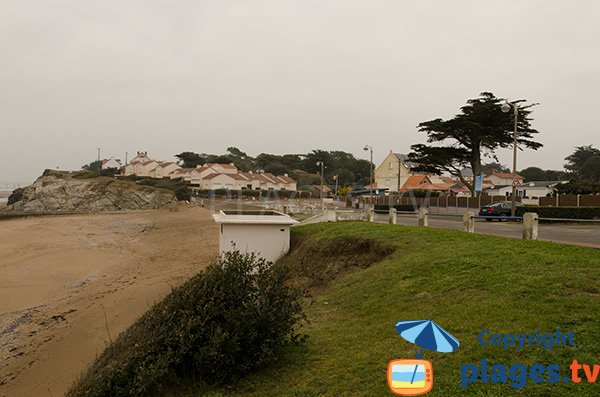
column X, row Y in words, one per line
column 63, row 272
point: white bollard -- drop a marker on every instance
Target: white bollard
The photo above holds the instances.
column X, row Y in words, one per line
column 393, row 215
column 423, row 217
column 469, row 222
column 530, row 226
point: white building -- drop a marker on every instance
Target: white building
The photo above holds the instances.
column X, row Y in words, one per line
column 502, row 178
column 266, row 233
column 111, row 163
column 537, row 188
column 393, row 171
column 142, row 165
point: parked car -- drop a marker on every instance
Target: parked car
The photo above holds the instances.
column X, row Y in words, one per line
column 500, row 210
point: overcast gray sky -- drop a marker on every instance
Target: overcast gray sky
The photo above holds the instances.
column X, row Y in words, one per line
column 283, row 76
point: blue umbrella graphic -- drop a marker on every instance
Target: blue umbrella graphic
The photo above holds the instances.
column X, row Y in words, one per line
column 427, row 335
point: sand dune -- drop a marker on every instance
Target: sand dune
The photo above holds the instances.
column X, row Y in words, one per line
column 59, row 276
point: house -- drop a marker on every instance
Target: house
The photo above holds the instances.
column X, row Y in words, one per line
column 211, row 168
column 163, row 169
column 449, row 188
column 142, row 165
column 227, row 176
column 111, row 163
column 414, row 182
column 216, row 181
column 537, row 188
column 393, row 171
column 502, row 178
column 498, row 190
column 189, row 175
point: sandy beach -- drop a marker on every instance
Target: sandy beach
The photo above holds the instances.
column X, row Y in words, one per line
column 60, row 276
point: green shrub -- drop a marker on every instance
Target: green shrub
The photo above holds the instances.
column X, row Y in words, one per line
column 85, row 174
column 562, row 212
column 231, row 318
column 384, row 208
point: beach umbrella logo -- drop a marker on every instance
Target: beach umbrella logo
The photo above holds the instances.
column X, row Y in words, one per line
column 413, row 377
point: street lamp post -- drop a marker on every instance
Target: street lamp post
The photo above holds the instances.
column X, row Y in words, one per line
column 370, row 148
column 320, row 163
column 506, row 108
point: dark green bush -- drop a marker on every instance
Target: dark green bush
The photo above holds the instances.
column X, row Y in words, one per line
column 85, row 174
column 231, row 318
column 562, row 212
column 384, row 208
column 16, row 195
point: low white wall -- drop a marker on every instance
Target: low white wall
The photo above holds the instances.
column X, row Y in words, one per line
column 268, row 241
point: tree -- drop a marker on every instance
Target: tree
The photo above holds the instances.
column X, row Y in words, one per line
column 479, row 130
column 538, row 174
column 581, row 154
column 590, row 170
column 533, row 174
column 190, row 159
column 94, row 166
column 240, row 159
column 555, row 175
column 492, row 167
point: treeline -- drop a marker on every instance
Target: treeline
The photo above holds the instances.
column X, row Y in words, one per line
column 301, row 167
column 582, row 171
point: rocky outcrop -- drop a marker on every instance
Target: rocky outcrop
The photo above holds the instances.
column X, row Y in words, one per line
column 67, row 194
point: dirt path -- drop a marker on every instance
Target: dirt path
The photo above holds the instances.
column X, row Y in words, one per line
column 60, row 275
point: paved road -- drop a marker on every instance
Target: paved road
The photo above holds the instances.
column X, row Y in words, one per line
column 580, row 234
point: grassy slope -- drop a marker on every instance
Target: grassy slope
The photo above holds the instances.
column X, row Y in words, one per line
column 465, row 283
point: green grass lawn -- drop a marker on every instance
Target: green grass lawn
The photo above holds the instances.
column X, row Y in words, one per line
column 465, row 283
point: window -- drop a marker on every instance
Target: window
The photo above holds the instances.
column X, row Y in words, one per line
column 391, row 165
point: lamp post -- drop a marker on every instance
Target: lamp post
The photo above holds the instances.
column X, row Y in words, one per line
column 320, row 163
column 506, row 108
column 370, row 148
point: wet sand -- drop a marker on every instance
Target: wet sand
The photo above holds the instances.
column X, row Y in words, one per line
column 59, row 276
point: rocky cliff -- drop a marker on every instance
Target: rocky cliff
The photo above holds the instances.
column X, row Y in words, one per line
column 67, row 194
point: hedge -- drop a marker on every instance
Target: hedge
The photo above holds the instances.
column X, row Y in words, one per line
column 384, row 208
column 562, row 212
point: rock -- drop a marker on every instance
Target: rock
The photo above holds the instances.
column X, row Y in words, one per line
column 66, row 194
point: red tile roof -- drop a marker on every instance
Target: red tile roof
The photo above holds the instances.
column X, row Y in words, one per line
column 223, row 165
column 413, row 182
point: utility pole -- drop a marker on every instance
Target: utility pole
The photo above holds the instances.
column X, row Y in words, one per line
column 322, row 192
column 98, row 154
column 505, row 108
column 335, row 177
column 367, row 148
column 126, row 158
